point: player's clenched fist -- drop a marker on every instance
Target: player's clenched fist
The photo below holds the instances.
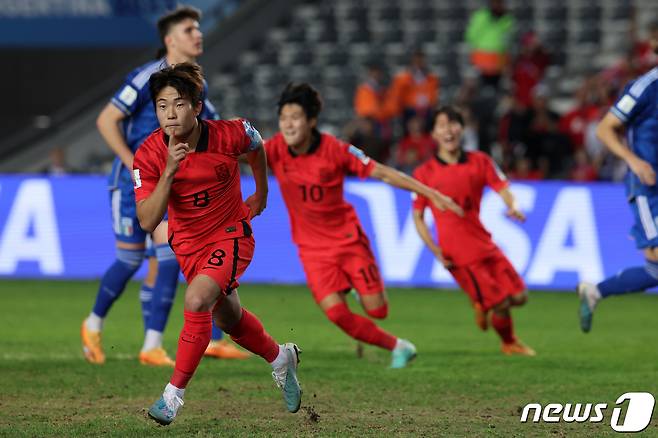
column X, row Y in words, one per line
column 176, row 153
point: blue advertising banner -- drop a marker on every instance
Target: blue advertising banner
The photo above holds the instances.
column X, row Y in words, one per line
column 60, row 227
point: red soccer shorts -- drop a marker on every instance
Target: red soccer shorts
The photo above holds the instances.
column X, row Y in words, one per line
column 223, row 260
column 490, row 280
column 341, row 268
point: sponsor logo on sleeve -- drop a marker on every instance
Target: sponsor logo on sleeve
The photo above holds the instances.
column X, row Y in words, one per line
column 359, row 154
column 626, row 104
column 128, row 95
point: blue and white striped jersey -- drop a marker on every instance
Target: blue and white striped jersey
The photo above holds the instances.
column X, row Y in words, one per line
column 637, row 107
column 134, row 100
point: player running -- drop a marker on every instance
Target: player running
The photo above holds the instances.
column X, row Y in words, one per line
column 190, row 166
column 635, row 113
column 465, row 247
column 310, row 167
column 124, row 123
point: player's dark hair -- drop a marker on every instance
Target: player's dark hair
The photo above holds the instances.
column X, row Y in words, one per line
column 304, row 95
column 453, row 114
column 172, row 18
column 186, row 78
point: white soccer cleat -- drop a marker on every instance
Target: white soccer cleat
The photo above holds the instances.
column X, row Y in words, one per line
column 589, row 297
column 164, row 410
column 285, row 378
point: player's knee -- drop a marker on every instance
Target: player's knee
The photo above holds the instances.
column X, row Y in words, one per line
column 520, row 299
column 502, row 308
column 380, row 312
column 197, row 303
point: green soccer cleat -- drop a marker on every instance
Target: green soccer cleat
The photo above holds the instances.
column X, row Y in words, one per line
column 404, row 353
column 286, row 378
column 165, row 409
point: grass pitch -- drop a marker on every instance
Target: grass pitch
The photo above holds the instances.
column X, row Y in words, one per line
column 460, row 384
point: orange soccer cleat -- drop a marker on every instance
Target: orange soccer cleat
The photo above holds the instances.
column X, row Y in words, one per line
column 156, row 357
column 225, row 350
column 91, row 345
column 517, row 347
column 481, row 317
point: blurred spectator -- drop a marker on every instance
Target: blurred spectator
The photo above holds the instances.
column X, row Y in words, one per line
column 582, row 169
column 489, row 34
column 362, row 133
column 58, row 165
column 643, row 55
column 415, row 147
column 415, row 91
column 609, row 167
column 523, row 171
column 470, row 133
column 529, row 68
column 574, row 122
column 370, row 100
column 544, row 140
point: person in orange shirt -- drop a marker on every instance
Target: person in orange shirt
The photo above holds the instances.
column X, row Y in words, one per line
column 415, row 91
column 371, row 101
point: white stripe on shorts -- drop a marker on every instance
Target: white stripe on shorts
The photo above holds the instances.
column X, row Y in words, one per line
column 116, row 211
column 646, row 218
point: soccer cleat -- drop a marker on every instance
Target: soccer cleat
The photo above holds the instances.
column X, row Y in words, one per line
column 225, row 350
column 589, row 296
column 165, row 409
column 286, row 378
column 481, row 317
column 156, row 357
column 91, row 345
column 403, row 354
column 517, row 347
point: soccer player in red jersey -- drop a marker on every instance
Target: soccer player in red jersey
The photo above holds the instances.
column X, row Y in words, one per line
column 310, row 167
column 190, row 166
column 465, row 247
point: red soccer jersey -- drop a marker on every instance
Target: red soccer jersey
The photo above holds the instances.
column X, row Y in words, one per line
column 462, row 239
column 312, row 188
column 205, row 202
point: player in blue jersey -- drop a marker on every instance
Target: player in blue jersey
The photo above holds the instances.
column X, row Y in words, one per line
column 124, row 123
column 636, row 113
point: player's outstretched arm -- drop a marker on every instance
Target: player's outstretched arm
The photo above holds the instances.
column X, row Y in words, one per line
column 151, row 210
column 513, row 210
column 398, row 179
column 426, row 237
column 609, row 131
column 108, row 126
column 258, row 162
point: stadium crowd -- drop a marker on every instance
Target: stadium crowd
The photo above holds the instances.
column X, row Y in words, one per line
column 506, row 102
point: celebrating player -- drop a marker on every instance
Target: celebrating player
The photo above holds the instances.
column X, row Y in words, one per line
column 636, row 113
column 209, row 226
column 310, row 167
column 465, row 247
column 124, row 123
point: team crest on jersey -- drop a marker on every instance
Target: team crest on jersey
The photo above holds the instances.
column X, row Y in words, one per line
column 358, row 153
column 222, row 172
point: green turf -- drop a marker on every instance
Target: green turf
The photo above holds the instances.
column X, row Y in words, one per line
column 460, row 385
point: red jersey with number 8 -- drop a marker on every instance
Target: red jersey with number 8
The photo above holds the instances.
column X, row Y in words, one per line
column 205, row 202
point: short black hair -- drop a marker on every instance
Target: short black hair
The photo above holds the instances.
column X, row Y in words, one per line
column 305, row 96
column 172, row 18
column 453, row 114
column 186, row 78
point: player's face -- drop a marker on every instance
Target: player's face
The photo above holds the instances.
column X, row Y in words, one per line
column 175, row 113
column 447, row 133
column 186, row 38
column 295, row 126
